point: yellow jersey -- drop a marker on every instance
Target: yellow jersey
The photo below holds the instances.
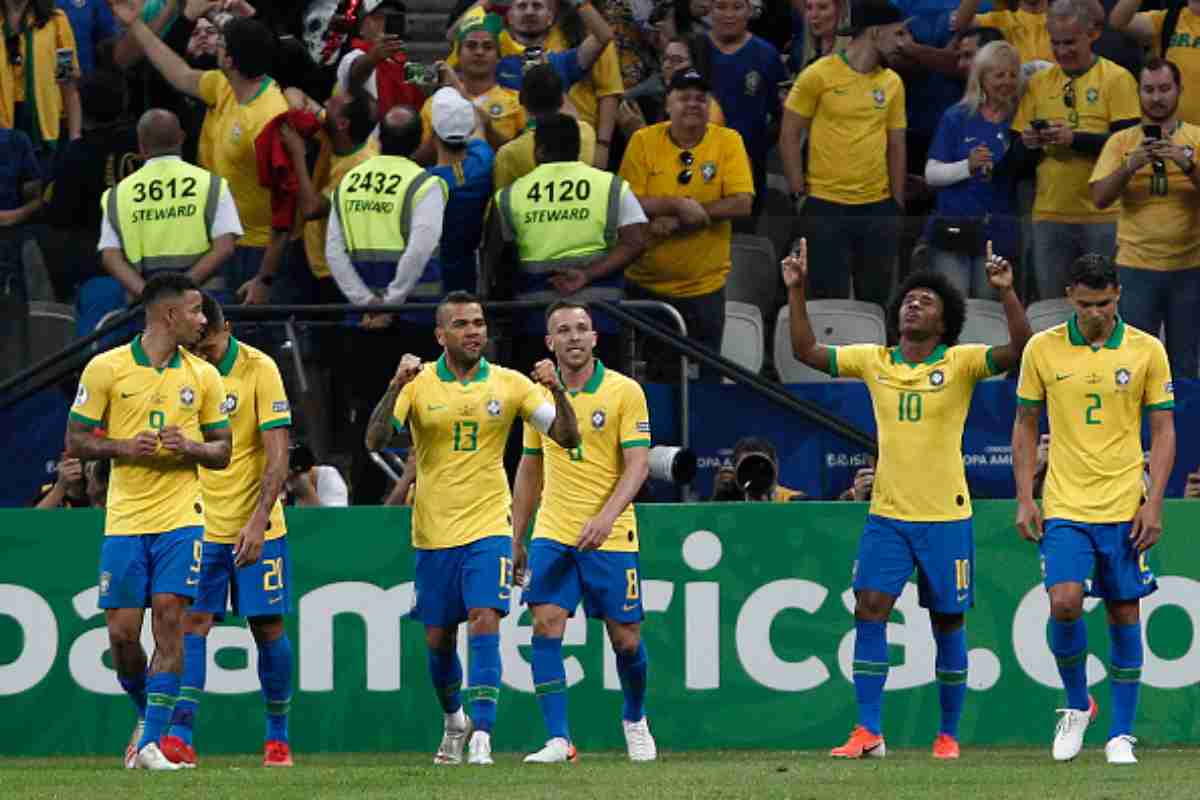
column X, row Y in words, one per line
column 1184, row 51
column 1159, row 226
column 920, row 410
column 121, row 392
column 1089, row 103
column 613, row 417
column 516, row 160
column 459, row 430
column 851, row 115
column 695, row 263
column 1094, row 397
column 228, row 147
column 1024, row 30
column 255, row 402
column 501, row 106
column 328, row 172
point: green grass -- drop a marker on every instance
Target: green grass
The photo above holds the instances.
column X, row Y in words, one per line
column 1010, row 774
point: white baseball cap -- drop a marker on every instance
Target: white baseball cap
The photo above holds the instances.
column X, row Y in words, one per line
column 369, row 6
column 453, row 116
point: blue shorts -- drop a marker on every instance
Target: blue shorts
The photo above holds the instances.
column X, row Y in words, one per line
column 134, row 568
column 1100, row 556
column 943, row 553
column 259, row 590
column 451, row 581
column 609, row 583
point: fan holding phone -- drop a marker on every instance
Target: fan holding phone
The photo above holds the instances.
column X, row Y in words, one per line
column 377, row 62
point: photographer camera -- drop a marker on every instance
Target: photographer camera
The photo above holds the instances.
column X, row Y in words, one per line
column 754, row 476
column 312, row 484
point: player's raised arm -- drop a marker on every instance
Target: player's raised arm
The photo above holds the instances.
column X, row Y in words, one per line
column 564, row 430
column 804, row 341
column 1000, row 276
column 379, row 427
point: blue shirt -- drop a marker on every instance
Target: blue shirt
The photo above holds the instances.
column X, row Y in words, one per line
column 92, row 22
column 960, row 132
column 470, row 185
column 510, row 72
column 746, row 84
column 18, row 166
column 928, row 93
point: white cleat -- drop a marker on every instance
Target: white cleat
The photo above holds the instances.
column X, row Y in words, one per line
column 480, row 749
column 450, row 751
column 150, row 757
column 131, row 748
column 638, row 741
column 1068, row 734
column 1119, row 750
column 557, row 751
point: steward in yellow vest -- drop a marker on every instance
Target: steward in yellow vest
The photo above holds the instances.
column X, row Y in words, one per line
column 169, row 216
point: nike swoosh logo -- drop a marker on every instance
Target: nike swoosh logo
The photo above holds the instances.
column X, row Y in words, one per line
column 272, row 601
column 436, row 408
column 962, row 597
column 127, row 395
column 505, row 596
column 629, row 607
column 1058, row 376
column 192, row 581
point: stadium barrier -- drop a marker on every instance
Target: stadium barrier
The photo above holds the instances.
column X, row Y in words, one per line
column 748, row 628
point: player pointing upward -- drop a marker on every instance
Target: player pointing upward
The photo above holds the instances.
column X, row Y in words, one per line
column 459, row 412
column 920, row 512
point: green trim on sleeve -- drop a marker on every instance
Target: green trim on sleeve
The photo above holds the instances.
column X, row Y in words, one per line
column 398, row 425
column 275, row 423
column 75, row 415
column 531, row 451
column 991, row 362
column 215, row 426
column 833, row 369
column 635, row 443
column 1167, row 406
column 1025, row 401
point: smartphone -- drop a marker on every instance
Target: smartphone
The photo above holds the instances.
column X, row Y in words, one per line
column 64, row 64
column 1152, row 131
column 1039, row 125
column 394, row 25
column 531, row 58
column 416, row 72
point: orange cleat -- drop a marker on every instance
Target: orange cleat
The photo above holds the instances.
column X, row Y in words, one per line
column 861, row 744
column 945, row 747
column 277, row 754
column 177, row 751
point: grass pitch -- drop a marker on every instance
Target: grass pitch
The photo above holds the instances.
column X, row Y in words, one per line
column 1010, row 774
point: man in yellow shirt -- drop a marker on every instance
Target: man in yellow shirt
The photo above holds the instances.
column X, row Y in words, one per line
column 459, row 411
column 244, row 564
column 1152, row 170
column 1098, row 379
column 1025, row 28
column 162, row 410
column 242, row 100
column 692, row 179
column 1066, row 115
column 851, row 107
column 585, row 543
column 1182, row 45
column 920, row 515
column 541, row 94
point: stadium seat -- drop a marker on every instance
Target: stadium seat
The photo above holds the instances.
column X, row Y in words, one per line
column 986, row 323
column 51, row 328
column 754, row 272
column 1047, row 313
column 743, row 338
column 835, row 322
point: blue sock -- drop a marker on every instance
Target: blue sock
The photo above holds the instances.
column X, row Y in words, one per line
column 135, row 687
column 485, row 680
column 191, row 685
column 870, row 672
column 1126, row 658
column 951, row 677
column 631, row 668
column 1068, row 642
column 550, row 684
column 446, row 672
column 161, row 690
column 275, row 675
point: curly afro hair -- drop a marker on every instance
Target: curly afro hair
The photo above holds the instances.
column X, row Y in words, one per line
column 954, row 304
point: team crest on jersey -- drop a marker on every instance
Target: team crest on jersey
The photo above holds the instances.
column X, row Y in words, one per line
column 1123, row 376
column 493, row 407
column 1092, row 95
column 235, row 133
column 230, row 404
column 81, row 396
column 753, row 82
column 937, row 377
column 879, row 97
column 105, row 582
column 598, row 418
column 187, row 396
column 496, row 110
column 708, row 171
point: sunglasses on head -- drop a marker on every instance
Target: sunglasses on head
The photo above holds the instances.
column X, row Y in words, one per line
column 685, row 175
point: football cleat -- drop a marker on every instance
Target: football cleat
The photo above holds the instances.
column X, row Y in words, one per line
column 479, row 751
column 131, row 748
column 945, row 746
column 861, row 744
column 277, row 754
column 450, row 751
column 557, row 751
column 1068, row 733
column 1119, row 750
column 638, row 741
column 150, row 757
column 178, row 751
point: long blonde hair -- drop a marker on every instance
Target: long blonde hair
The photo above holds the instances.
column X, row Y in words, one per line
column 989, row 57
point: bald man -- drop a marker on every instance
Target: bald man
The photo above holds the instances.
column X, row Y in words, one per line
column 169, row 216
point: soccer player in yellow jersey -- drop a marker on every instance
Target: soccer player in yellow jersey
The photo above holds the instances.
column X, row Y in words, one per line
column 162, row 409
column 1097, row 378
column 585, row 542
column 459, row 411
column 245, row 556
column 920, row 512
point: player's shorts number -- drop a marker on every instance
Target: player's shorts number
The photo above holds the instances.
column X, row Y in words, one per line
column 506, row 571
column 576, row 453
column 273, row 577
column 631, row 584
column 910, row 407
column 466, row 436
column 158, row 420
column 197, row 555
column 1093, row 406
column 962, row 574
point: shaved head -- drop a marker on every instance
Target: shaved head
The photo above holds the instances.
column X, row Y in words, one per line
column 159, row 132
column 400, row 131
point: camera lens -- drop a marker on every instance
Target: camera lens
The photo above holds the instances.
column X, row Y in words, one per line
column 755, row 473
